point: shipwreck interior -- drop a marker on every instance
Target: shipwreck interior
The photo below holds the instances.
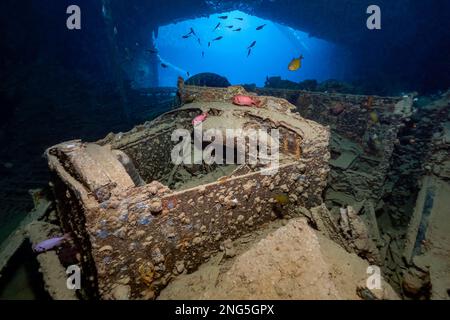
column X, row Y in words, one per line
column 86, row 124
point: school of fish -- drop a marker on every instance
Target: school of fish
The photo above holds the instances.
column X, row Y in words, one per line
column 294, row 65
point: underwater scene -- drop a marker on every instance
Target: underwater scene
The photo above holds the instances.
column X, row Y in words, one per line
column 224, row 150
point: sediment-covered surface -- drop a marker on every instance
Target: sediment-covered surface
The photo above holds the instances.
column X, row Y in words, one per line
column 290, row 261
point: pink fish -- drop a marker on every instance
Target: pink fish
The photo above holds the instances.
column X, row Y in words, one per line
column 51, row 243
column 241, row 100
column 199, row 119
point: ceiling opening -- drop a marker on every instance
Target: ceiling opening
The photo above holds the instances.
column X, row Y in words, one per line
column 276, row 45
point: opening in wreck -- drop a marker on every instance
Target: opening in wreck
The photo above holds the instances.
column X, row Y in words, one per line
column 200, row 52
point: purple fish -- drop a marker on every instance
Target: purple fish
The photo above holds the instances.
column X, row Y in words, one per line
column 49, row 244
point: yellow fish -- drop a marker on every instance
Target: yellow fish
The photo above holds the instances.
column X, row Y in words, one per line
column 295, row 64
column 374, row 117
column 282, row 199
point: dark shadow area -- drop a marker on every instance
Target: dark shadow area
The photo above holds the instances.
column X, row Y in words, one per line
column 21, row 279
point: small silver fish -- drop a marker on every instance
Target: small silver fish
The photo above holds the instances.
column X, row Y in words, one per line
column 261, row 27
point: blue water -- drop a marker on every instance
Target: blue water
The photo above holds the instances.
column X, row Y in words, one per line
column 276, row 45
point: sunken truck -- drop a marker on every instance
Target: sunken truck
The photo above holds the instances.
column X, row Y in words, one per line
column 139, row 217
